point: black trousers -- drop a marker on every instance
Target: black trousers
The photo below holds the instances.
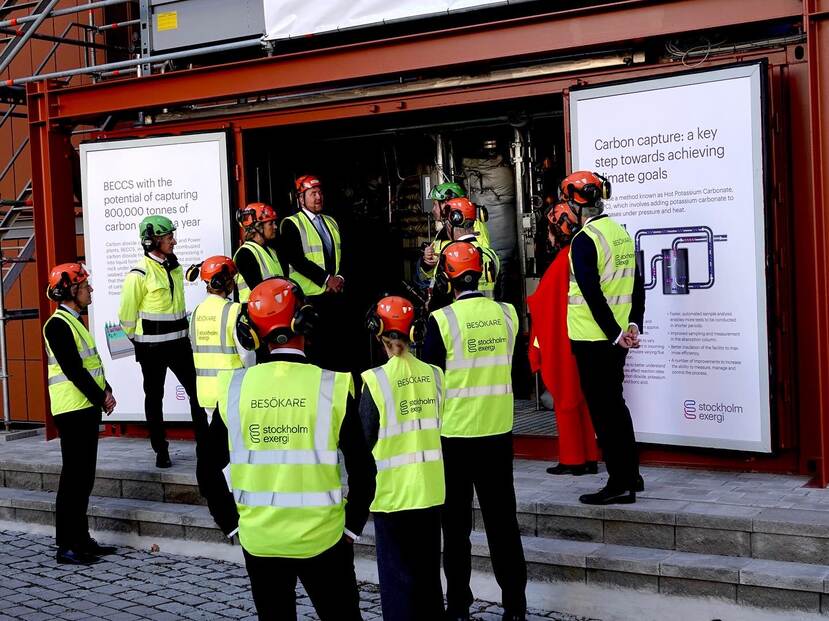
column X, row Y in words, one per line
column 602, row 373
column 484, row 464
column 408, row 561
column 328, row 345
column 328, row 579
column 155, row 360
column 78, row 433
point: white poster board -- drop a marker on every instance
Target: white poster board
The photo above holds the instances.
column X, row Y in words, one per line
column 286, row 19
column 684, row 155
column 184, row 178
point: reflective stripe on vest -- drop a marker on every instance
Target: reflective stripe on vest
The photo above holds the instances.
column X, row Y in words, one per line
column 617, row 269
column 408, row 394
column 64, row 396
column 269, row 267
column 479, row 337
column 313, row 249
column 288, row 493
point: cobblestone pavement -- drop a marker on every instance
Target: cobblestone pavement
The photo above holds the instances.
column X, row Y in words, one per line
column 137, row 585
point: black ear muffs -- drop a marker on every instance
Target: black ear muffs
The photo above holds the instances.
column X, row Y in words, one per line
column 489, row 268
column 219, row 281
column 61, row 291
column 483, row 214
column 147, row 238
column 248, row 338
column 418, row 330
column 374, row 324
column 442, row 282
column 192, row 272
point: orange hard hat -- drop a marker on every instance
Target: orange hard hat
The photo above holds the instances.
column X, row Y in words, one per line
column 461, row 212
column 394, row 316
column 278, row 311
column 219, row 266
column 255, row 213
column 306, row 182
column 61, row 279
column 585, row 187
column 459, row 258
column 562, row 220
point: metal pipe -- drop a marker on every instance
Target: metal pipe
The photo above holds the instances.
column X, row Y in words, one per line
column 67, row 11
column 212, row 49
column 18, row 45
column 4, row 362
column 439, row 157
column 115, row 25
column 518, row 161
column 67, row 41
column 117, row 72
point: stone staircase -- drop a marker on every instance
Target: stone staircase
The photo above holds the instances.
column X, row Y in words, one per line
column 721, row 546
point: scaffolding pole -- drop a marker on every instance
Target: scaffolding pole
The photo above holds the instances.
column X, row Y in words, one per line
column 18, row 45
column 17, row 21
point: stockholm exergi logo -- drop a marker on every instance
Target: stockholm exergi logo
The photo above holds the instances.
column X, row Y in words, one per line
column 690, row 409
column 255, row 433
column 472, row 345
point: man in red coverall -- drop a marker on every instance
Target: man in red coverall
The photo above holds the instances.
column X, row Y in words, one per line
column 550, row 352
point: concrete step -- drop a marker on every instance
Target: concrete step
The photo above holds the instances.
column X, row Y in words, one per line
column 718, row 528
column 740, row 581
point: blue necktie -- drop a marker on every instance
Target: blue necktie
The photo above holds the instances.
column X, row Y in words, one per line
column 325, row 236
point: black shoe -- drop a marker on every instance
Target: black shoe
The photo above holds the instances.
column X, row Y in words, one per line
column 607, row 496
column 514, row 616
column 162, row 460
column 456, row 616
column 591, row 467
column 640, row 484
column 68, row 556
column 93, row 548
column 575, row 470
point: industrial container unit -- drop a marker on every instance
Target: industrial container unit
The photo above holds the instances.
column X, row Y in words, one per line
column 383, row 114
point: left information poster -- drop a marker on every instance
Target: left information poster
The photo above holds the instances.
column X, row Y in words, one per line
column 184, row 178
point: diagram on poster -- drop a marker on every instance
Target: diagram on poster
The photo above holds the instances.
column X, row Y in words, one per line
column 684, row 155
column 184, row 178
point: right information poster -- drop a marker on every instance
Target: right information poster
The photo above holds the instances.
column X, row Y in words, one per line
column 685, row 157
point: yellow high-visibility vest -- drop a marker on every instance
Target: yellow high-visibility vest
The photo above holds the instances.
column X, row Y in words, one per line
column 269, row 266
column 617, row 266
column 150, row 311
column 313, row 248
column 283, row 424
column 479, row 337
column 409, row 396
column 64, row 396
column 212, row 325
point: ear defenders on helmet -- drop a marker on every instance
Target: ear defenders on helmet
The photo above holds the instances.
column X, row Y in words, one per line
column 148, row 238
column 444, row 285
column 593, row 192
column 192, row 272
column 375, row 326
column 302, row 324
column 217, row 281
column 248, row 338
column 62, row 291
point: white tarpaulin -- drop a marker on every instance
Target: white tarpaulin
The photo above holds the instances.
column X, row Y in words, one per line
column 685, row 158
column 285, row 19
column 184, row 178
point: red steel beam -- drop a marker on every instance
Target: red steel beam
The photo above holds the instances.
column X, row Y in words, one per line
column 52, row 199
column 609, row 24
column 814, row 235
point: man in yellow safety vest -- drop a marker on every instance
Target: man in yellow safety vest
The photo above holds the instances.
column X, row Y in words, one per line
column 605, row 310
column 78, row 392
column 280, row 425
column 473, row 339
column 153, row 317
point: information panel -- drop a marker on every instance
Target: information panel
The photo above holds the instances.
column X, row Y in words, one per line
column 684, row 155
column 184, row 178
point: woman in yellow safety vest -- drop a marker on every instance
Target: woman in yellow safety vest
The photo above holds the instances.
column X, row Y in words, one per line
column 401, row 407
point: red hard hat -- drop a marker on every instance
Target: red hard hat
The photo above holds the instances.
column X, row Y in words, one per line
column 460, row 211
column 217, row 266
column 585, row 187
column 396, row 314
column 563, row 220
column 273, row 305
column 255, row 213
column 461, row 257
column 306, row 182
column 67, row 274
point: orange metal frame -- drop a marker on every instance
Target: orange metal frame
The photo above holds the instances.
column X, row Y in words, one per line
column 52, row 110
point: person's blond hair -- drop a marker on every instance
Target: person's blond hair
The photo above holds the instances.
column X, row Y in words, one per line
column 395, row 347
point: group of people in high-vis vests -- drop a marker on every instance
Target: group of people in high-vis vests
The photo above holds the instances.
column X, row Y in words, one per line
column 418, row 439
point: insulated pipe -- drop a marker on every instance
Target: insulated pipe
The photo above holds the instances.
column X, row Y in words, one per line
column 212, row 49
column 518, row 161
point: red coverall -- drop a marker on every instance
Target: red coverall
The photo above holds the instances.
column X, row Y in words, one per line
column 550, row 352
